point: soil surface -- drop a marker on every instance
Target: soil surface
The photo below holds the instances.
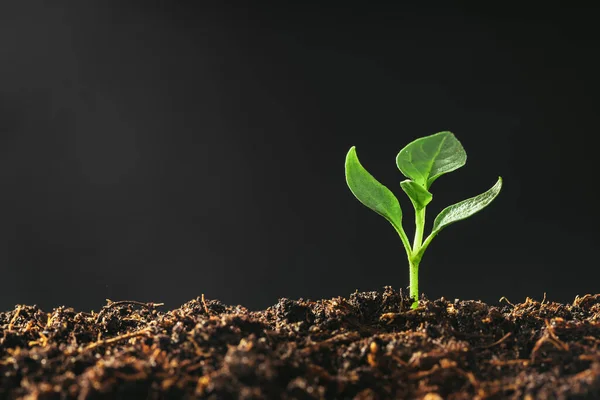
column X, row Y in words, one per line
column 368, row 346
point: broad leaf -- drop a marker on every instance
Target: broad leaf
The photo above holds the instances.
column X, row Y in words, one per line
column 465, row 208
column 426, row 159
column 419, row 196
column 370, row 192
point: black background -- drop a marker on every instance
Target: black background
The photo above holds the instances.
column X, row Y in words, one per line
column 154, row 151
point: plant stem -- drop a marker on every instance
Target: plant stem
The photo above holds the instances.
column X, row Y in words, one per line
column 414, row 259
column 419, row 228
column 425, row 245
column 414, row 283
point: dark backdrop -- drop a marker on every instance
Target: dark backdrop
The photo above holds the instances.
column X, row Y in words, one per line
column 157, row 152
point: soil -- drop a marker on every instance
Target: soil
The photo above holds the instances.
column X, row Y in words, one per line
column 368, row 346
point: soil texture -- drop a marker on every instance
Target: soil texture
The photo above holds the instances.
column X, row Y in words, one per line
column 368, row 346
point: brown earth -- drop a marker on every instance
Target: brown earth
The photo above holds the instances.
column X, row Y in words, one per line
column 368, row 346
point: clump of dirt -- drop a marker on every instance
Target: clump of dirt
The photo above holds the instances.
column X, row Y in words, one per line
column 368, row 346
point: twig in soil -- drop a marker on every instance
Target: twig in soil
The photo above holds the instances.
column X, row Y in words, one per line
column 422, row 374
column 112, row 304
column 116, row 339
column 337, row 339
column 548, row 336
column 199, row 351
column 589, row 357
column 372, row 356
column 42, row 341
column 138, row 375
column 401, row 294
column 14, row 318
column 320, row 372
column 537, row 346
column 30, row 325
column 578, row 302
column 398, row 360
column 552, row 334
column 506, row 300
column 390, row 317
column 470, row 376
column 497, row 342
column 446, row 364
column 49, row 320
column 593, row 339
column 501, row 363
column 585, row 375
column 204, row 304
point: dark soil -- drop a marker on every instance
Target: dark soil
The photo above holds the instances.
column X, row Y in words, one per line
column 368, row 346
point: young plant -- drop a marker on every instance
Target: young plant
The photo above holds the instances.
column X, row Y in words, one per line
column 422, row 162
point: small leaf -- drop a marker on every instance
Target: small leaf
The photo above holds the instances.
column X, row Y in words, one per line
column 466, row 208
column 370, row 192
column 419, row 196
column 427, row 158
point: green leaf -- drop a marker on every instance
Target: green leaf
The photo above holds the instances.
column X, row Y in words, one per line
column 370, row 192
column 419, row 196
column 466, row 208
column 426, row 159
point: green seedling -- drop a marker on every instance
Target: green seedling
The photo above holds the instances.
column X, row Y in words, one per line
column 422, row 162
